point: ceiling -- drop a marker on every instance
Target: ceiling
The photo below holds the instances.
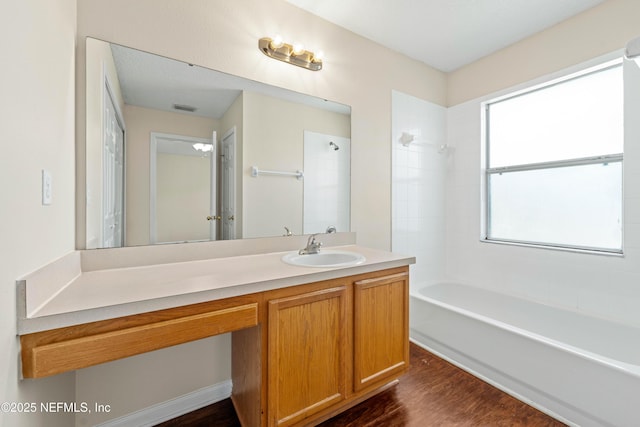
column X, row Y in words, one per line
column 445, row 34
column 153, row 81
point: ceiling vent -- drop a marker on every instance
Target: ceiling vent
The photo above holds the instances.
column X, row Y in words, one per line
column 188, row 108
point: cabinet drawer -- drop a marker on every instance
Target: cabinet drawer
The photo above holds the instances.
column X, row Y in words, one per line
column 41, row 358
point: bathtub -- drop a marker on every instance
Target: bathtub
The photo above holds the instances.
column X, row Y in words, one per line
column 580, row 370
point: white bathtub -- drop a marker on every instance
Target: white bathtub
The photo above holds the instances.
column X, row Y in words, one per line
column 581, row 370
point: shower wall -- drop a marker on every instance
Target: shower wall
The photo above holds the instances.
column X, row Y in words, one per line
column 418, row 183
column 327, row 188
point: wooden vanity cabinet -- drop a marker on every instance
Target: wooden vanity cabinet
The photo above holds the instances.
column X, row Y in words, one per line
column 300, row 354
column 332, row 344
column 307, row 357
column 381, row 329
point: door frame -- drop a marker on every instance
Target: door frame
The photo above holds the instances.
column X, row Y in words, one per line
column 228, row 183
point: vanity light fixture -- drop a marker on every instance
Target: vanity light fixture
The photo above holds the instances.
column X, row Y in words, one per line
column 294, row 54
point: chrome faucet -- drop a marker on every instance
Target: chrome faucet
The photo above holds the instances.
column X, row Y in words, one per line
column 313, row 246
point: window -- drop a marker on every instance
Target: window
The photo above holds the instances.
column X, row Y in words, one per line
column 554, row 163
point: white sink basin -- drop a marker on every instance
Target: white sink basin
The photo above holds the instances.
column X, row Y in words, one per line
column 325, row 258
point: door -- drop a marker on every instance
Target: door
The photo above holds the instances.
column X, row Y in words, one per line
column 113, row 176
column 228, row 185
column 213, row 179
column 381, row 329
column 306, row 354
column 182, row 188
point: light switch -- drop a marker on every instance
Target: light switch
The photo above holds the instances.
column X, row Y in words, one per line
column 46, row 187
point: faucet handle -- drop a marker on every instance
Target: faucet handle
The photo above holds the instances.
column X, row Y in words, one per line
column 313, row 244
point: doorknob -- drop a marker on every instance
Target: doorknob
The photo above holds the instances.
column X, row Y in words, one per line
column 217, row 218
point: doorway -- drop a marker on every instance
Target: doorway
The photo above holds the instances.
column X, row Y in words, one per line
column 182, row 188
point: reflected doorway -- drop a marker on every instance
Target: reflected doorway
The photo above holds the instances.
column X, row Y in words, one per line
column 113, row 174
column 182, row 188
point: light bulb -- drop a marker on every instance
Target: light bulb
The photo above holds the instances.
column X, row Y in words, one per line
column 298, row 48
column 319, row 56
column 277, row 42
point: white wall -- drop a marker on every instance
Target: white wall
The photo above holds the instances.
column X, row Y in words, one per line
column 604, row 286
column 419, row 172
column 327, row 182
column 37, row 132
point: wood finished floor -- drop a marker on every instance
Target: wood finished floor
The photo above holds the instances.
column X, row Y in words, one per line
column 433, row 393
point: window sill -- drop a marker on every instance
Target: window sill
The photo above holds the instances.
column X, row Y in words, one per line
column 554, row 248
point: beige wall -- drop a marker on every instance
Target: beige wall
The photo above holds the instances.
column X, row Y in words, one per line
column 141, row 381
column 273, row 140
column 37, row 132
column 600, row 30
column 183, row 194
column 140, row 123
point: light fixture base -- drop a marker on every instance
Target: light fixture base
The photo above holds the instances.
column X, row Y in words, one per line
column 284, row 52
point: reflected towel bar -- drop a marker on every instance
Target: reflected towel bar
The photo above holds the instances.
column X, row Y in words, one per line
column 255, row 172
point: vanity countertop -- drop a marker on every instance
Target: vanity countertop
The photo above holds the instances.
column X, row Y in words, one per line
column 115, row 292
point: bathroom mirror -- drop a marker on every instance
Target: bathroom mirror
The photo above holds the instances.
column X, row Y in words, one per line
column 180, row 153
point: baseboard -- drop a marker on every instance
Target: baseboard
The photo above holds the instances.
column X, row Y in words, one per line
column 173, row 408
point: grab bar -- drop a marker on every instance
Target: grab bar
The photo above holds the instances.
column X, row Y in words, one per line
column 255, row 172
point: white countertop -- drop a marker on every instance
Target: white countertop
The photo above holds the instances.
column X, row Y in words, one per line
column 116, row 292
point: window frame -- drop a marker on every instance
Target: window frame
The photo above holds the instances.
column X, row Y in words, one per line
column 592, row 160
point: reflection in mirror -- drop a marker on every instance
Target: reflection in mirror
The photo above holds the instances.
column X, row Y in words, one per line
column 170, row 147
column 183, row 186
column 326, row 167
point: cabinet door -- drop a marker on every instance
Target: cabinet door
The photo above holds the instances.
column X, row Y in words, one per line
column 307, row 354
column 381, row 329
